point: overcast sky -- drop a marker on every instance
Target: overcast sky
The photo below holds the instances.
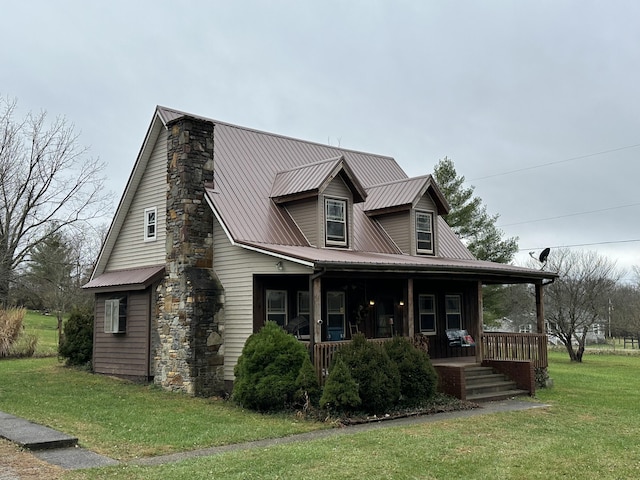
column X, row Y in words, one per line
column 537, row 103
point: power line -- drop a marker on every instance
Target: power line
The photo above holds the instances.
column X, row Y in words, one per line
column 582, row 244
column 569, row 215
column 533, row 167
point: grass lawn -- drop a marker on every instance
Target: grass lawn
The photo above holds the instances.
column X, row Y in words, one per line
column 45, row 328
column 590, row 431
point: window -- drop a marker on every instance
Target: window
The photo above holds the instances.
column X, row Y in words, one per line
column 336, row 221
column 453, row 311
column 424, row 232
column 304, row 310
column 150, row 224
column 115, row 315
column 335, row 315
column 427, row 313
column 277, row 306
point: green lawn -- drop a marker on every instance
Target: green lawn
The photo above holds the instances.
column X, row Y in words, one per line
column 45, row 328
column 590, row 431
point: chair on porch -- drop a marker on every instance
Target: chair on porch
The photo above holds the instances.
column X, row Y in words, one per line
column 353, row 328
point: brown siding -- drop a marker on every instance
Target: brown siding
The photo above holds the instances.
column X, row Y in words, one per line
column 438, row 343
column 125, row 354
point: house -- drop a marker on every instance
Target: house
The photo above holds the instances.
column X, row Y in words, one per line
column 222, row 228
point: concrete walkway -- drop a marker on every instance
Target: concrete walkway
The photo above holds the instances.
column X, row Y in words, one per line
column 60, row 449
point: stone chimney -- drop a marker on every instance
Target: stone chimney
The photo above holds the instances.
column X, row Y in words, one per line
column 188, row 348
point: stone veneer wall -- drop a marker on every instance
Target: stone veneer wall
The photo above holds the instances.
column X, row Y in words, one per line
column 188, row 338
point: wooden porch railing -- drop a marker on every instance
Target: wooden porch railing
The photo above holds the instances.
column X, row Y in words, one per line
column 323, row 353
column 516, row 346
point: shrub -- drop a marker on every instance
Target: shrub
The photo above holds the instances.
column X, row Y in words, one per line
column 418, row 379
column 24, row 346
column 341, row 390
column 10, row 328
column 377, row 376
column 267, row 369
column 307, row 387
column 77, row 342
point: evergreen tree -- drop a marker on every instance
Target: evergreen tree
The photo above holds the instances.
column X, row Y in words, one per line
column 469, row 219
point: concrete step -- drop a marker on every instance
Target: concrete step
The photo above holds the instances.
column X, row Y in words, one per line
column 476, row 371
column 493, row 396
column 32, row 436
column 490, row 387
column 478, row 379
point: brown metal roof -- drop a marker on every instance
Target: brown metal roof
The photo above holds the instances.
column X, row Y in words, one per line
column 404, row 193
column 132, row 279
column 313, row 178
column 333, row 259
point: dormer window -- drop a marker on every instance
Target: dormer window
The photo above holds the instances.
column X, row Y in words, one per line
column 335, row 221
column 150, row 224
column 424, row 232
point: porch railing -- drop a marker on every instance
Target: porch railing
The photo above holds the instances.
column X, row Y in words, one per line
column 515, row 346
column 323, row 353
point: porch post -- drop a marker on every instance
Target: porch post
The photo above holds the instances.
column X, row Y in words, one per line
column 410, row 321
column 480, row 322
column 316, row 298
column 540, row 308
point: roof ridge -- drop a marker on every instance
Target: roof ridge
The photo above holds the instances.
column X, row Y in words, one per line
column 277, row 135
column 400, row 180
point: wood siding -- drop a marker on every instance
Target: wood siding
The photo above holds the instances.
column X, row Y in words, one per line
column 123, row 354
column 235, row 268
column 398, row 227
column 130, row 249
column 305, row 214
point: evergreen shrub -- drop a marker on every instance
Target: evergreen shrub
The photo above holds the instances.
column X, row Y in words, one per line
column 340, row 392
column 76, row 346
column 377, row 377
column 418, row 378
column 268, row 368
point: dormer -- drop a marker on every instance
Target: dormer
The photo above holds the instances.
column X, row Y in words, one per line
column 408, row 210
column 320, row 197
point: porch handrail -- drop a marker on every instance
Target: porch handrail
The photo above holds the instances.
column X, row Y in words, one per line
column 515, row 346
column 323, row 354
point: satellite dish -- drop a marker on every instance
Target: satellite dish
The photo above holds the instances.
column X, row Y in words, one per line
column 544, row 255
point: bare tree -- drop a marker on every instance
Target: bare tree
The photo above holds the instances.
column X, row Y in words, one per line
column 579, row 298
column 47, row 183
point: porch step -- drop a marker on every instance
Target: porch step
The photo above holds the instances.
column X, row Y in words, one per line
column 484, row 384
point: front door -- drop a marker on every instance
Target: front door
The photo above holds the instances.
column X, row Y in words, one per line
column 384, row 321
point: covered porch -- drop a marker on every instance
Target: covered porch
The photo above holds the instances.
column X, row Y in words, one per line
column 327, row 308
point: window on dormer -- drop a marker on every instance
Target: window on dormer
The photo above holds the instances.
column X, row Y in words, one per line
column 424, row 232
column 335, row 221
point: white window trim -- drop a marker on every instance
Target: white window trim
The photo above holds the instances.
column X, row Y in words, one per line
column 286, row 301
column 431, row 232
column 345, row 221
column 112, row 322
column 147, row 224
column 459, row 312
column 342, row 313
column 435, row 317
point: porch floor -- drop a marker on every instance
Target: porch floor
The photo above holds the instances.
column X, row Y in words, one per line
column 460, row 362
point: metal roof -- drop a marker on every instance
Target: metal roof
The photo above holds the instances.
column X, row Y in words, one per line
column 404, row 193
column 313, row 178
column 133, row 279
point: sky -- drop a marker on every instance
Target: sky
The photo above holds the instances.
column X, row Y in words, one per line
column 536, row 102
